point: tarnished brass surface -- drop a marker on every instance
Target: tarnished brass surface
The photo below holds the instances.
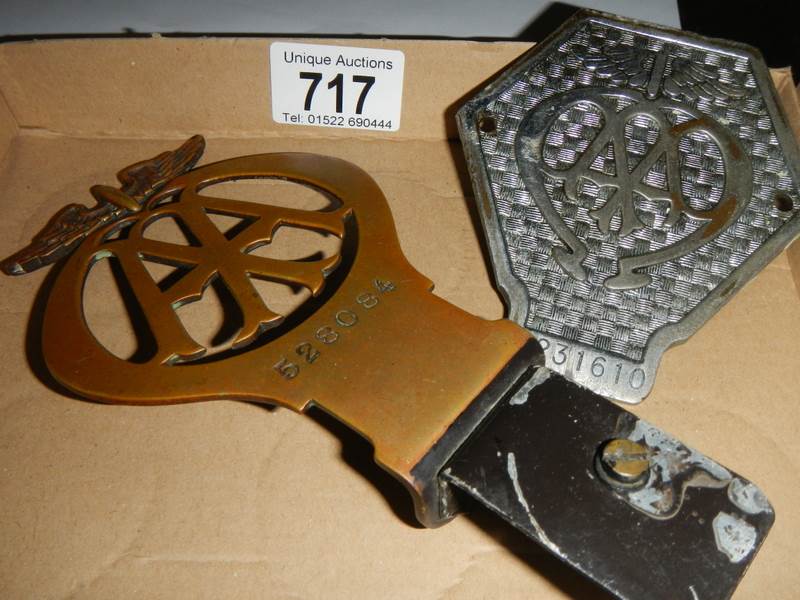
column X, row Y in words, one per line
column 382, row 353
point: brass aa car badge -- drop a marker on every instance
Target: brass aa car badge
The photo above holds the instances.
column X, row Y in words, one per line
column 629, row 179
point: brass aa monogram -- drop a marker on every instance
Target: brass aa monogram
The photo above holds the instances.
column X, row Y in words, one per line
column 214, row 256
column 166, row 187
column 620, row 189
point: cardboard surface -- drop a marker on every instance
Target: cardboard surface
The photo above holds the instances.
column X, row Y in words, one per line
column 231, row 500
column 166, row 86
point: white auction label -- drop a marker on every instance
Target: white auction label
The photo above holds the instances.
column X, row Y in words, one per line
column 336, row 86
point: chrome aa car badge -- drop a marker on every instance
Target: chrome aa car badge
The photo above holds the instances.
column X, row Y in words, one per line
column 630, row 179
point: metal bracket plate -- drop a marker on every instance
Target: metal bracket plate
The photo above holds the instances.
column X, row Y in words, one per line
column 629, row 179
column 689, row 530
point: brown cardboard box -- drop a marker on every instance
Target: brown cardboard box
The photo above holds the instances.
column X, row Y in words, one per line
column 229, row 500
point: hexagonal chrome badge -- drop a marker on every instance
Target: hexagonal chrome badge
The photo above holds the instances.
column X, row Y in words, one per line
column 629, row 179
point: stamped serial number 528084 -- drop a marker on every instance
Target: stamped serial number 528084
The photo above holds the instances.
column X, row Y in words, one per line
column 309, row 351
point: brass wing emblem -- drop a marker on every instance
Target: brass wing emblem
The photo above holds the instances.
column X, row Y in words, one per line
column 73, row 223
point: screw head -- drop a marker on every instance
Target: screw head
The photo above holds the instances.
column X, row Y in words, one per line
column 624, row 461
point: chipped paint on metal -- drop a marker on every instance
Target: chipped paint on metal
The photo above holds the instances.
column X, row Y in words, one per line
column 748, row 497
column 511, row 467
column 521, row 397
column 673, row 468
column 672, row 456
column 735, row 537
column 654, row 501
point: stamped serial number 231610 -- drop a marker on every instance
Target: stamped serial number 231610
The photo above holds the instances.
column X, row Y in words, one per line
column 578, row 362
